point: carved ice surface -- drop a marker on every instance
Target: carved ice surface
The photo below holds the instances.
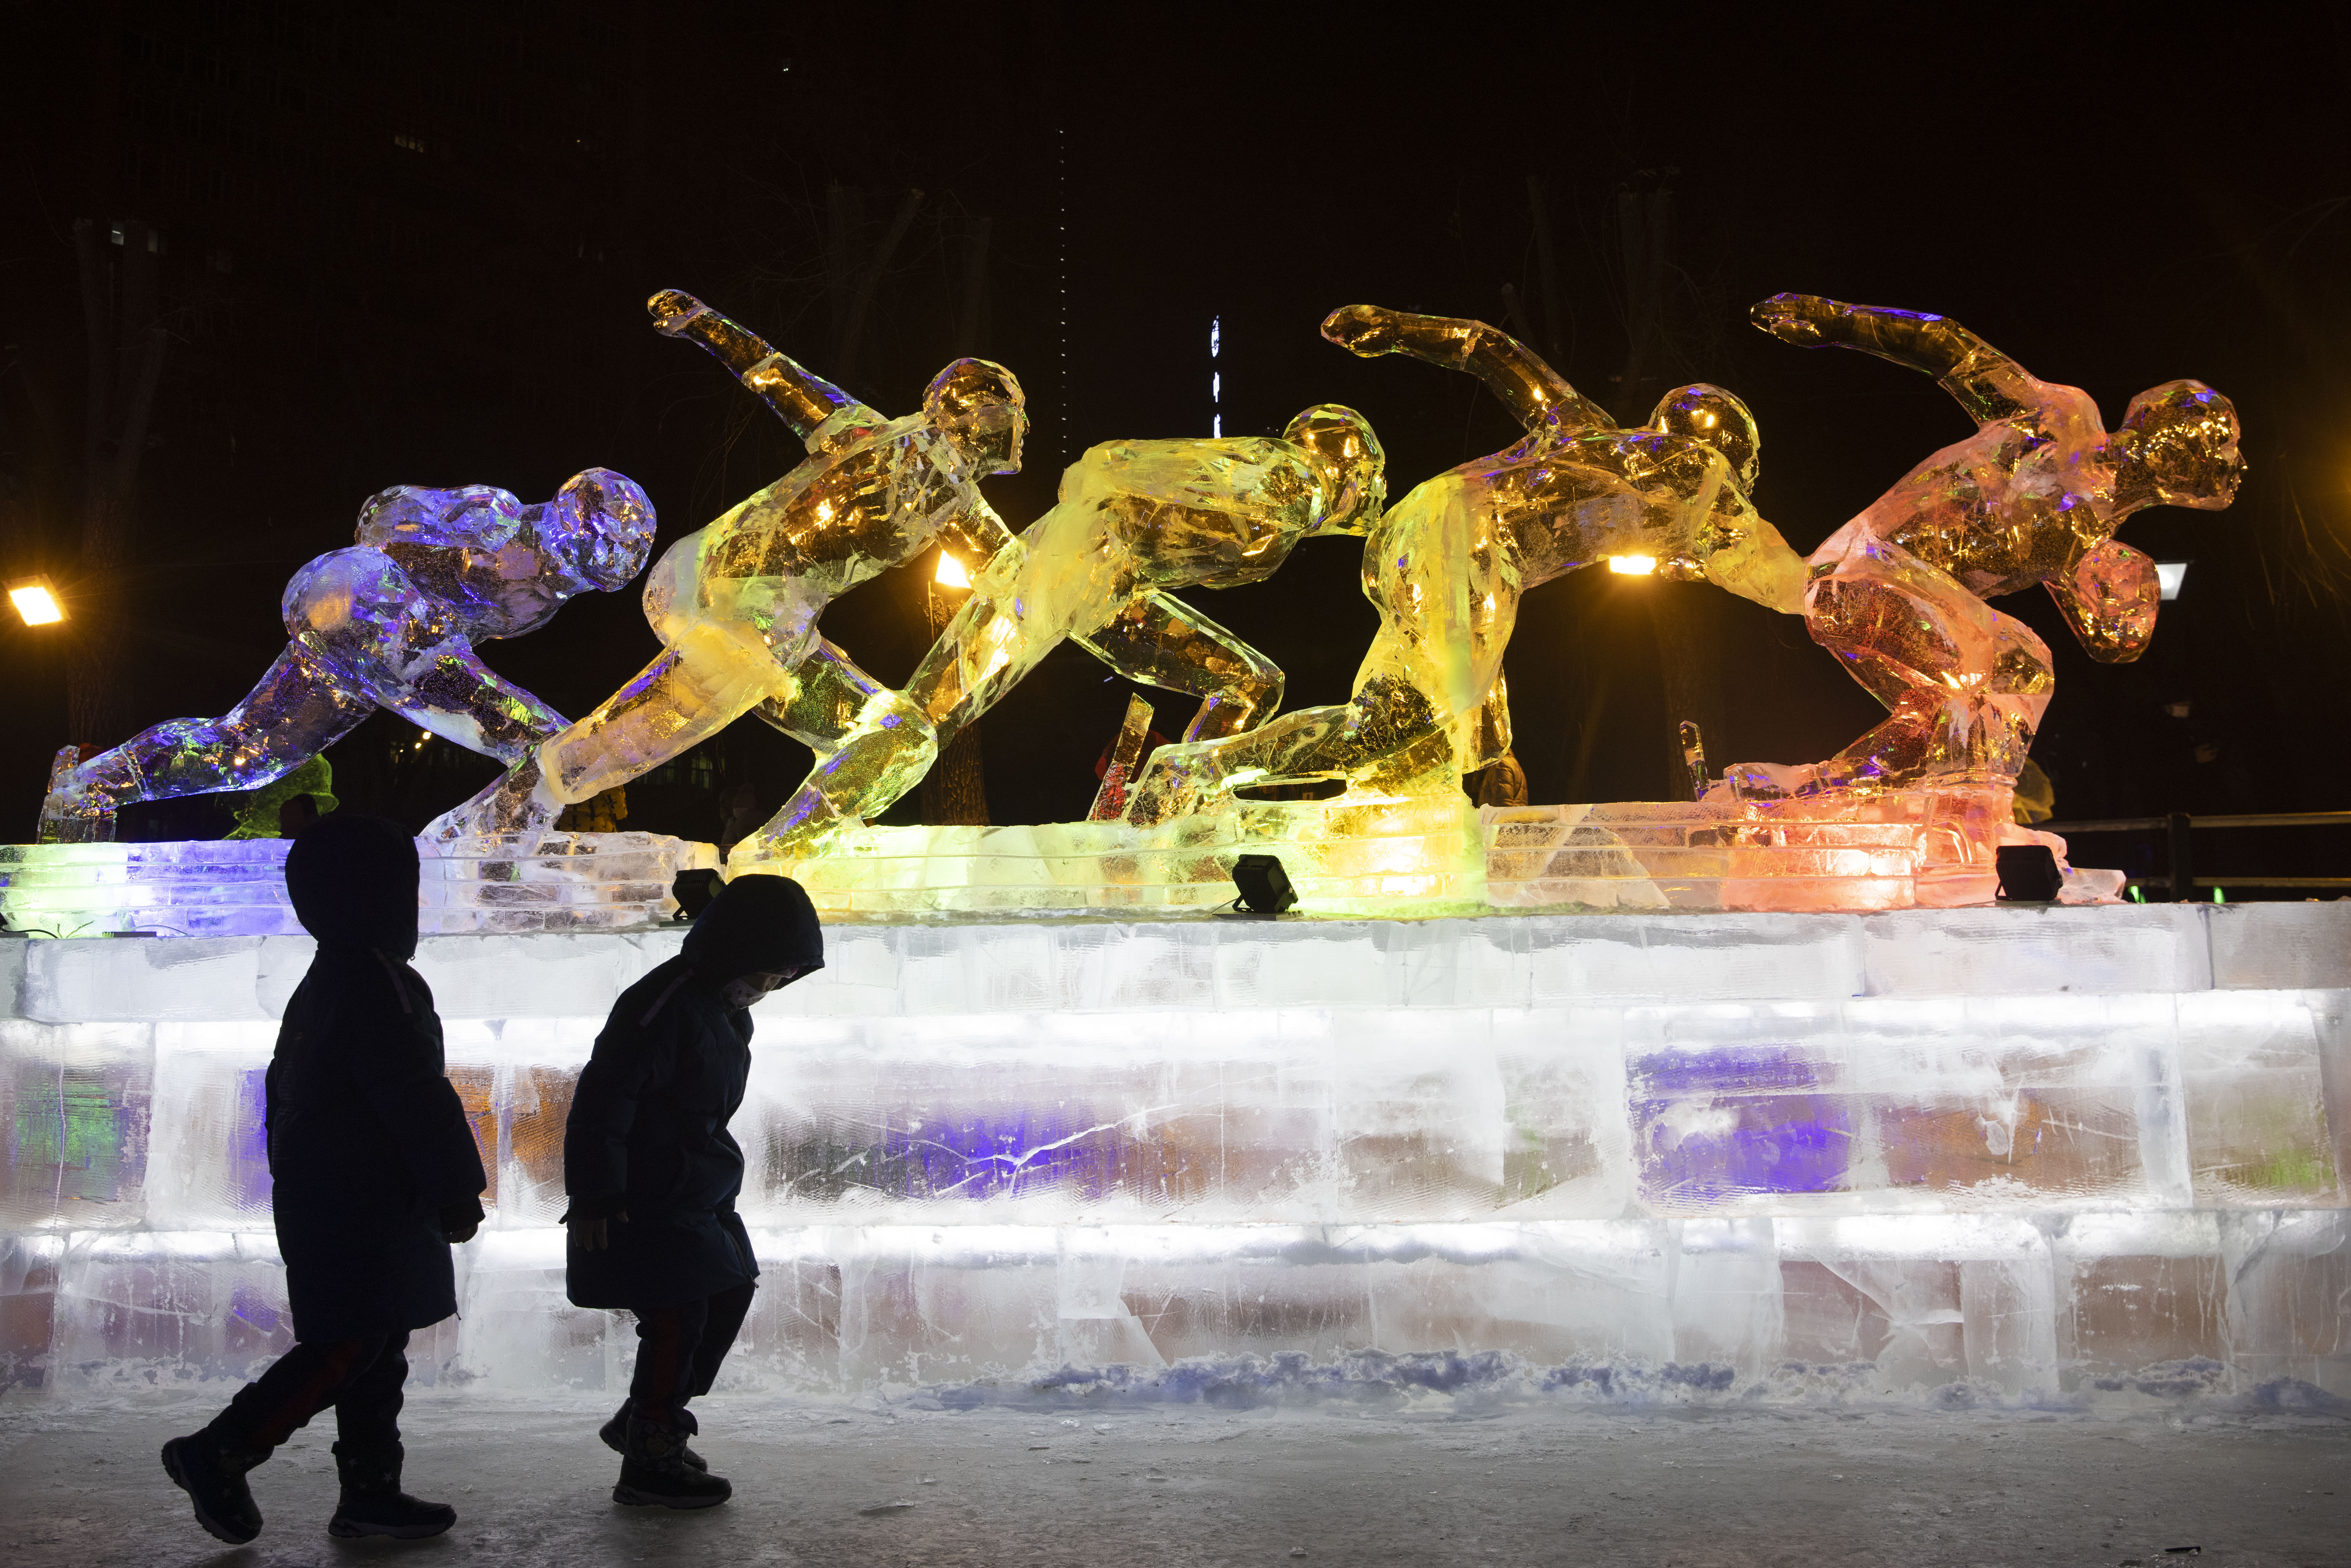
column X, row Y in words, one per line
column 2033, row 497
column 390, row 623
column 545, row 881
column 2032, row 1155
column 1447, row 565
column 735, row 603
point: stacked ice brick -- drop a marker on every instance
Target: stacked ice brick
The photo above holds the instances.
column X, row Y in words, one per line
column 535, row 881
column 2021, row 1155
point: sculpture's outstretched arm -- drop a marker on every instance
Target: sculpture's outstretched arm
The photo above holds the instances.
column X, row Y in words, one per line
column 974, row 533
column 1987, row 383
column 1533, row 393
column 801, row 400
column 2109, row 597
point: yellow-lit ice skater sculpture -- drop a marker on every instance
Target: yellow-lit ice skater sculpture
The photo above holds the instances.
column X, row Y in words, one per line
column 1135, row 520
column 2033, row 497
column 1448, row 564
column 735, row 603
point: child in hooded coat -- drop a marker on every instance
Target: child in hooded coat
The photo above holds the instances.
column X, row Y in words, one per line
column 653, row 1174
column 375, row 1174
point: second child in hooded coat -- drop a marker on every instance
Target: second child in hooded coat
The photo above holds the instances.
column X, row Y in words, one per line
column 653, row 1173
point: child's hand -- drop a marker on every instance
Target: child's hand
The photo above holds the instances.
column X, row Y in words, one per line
column 595, row 1234
column 460, row 1220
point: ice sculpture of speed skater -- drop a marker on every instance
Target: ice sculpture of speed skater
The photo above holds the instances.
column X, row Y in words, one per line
column 390, row 623
column 735, row 603
column 2033, row 497
column 1447, row 565
column 1135, row 520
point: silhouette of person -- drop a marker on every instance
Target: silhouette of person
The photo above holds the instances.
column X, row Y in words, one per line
column 376, row 1174
column 653, row 1174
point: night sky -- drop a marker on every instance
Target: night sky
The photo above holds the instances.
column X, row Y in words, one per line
column 412, row 245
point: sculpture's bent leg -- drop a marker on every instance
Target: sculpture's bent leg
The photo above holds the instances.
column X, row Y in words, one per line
column 298, row 710
column 718, row 673
column 1160, row 640
column 869, row 742
column 1388, row 739
column 1966, row 684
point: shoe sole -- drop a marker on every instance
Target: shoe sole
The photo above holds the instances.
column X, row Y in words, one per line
column 632, row 1498
column 342, row 1529
column 212, row 1527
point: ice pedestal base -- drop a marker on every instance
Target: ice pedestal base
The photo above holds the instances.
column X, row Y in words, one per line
column 1349, row 857
column 1926, row 848
column 540, row 882
column 1954, row 1156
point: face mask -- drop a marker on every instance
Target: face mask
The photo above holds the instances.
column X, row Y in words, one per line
column 749, row 989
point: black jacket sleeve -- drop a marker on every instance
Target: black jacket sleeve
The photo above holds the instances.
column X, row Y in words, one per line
column 626, row 1061
column 404, row 1077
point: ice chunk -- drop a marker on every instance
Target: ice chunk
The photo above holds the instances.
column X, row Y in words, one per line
column 2036, row 950
column 76, row 1105
column 209, row 1168
column 168, row 1304
column 2142, row 1304
column 2252, row 1083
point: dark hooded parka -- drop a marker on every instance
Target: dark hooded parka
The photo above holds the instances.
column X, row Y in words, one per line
column 369, row 1146
column 647, row 1135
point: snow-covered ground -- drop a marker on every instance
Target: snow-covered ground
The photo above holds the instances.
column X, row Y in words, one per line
column 1439, row 1481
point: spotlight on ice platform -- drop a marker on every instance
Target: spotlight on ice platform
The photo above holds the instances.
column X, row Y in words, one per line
column 2028, row 874
column 1265, row 886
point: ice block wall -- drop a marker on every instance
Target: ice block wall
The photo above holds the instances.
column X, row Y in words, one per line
column 2024, row 1155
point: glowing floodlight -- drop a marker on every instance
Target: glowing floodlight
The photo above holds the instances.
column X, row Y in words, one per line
column 2169, row 576
column 1633, row 565
column 951, row 573
column 36, row 602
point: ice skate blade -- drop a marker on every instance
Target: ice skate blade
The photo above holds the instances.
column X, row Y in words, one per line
column 213, row 1528
column 632, row 1496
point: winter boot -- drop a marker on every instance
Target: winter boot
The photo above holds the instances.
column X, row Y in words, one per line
column 372, row 1502
column 209, row 1467
column 615, row 1434
column 653, row 1471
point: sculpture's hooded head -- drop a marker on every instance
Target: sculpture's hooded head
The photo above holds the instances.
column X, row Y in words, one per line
column 978, row 404
column 2181, row 437
column 352, row 881
column 758, row 924
column 1712, row 416
column 1354, row 467
column 597, row 530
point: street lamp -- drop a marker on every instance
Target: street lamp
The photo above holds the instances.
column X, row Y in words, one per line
column 951, row 572
column 36, row 602
column 1633, row 565
column 2169, row 576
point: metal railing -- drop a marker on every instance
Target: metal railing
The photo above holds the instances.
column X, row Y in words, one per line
column 2180, row 879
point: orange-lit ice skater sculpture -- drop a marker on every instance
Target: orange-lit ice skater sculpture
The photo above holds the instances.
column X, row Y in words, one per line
column 1898, row 593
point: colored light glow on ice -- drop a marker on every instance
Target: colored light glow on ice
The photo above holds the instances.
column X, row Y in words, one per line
column 35, row 602
column 1633, row 565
